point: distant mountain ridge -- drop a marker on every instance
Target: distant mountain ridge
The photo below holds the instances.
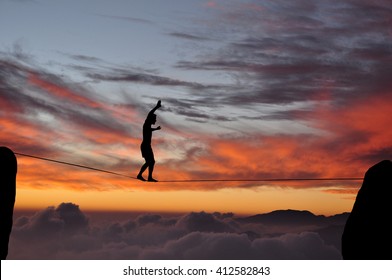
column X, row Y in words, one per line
column 295, row 217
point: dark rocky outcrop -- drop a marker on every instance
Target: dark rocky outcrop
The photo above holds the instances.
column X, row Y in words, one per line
column 8, row 169
column 368, row 230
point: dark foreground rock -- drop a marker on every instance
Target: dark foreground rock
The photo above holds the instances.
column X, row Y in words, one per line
column 8, row 168
column 368, row 230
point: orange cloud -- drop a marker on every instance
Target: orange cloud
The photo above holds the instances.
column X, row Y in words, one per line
column 61, row 92
column 211, row 4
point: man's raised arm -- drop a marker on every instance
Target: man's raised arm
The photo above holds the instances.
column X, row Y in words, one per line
column 155, row 108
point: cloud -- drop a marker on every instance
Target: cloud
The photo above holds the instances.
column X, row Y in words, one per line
column 49, row 228
column 48, row 115
column 322, row 70
column 73, row 218
column 197, row 245
column 139, row 76
column 129, row 76
column 204, row 222
column 32, row 92
column 129, row 19
column 65, row 218
column 65, row 232
column 187, row 36
column 286, row 52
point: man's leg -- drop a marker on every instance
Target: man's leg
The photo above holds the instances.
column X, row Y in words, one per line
column 150, row 170
column 142, row 169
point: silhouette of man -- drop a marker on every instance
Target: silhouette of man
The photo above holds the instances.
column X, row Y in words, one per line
column 145, row 147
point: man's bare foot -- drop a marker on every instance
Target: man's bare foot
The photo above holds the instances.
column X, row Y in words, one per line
column 152, row 180
column 140, row 177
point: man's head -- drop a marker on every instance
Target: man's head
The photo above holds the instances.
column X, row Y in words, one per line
column 152, row 118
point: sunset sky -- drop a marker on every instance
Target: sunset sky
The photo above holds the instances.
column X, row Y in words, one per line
column 249, row 90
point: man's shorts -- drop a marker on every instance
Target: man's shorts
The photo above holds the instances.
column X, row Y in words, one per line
column 147, row 152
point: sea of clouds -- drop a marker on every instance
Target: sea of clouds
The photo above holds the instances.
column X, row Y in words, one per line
column 65, row 232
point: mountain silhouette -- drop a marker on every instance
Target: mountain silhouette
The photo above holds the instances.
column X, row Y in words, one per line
column 368, row 232
column 8, row 169
column 295, row 217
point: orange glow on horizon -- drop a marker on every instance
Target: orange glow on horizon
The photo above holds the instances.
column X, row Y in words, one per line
column 240, row 202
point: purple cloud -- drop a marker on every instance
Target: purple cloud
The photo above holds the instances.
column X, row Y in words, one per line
column 65, row 232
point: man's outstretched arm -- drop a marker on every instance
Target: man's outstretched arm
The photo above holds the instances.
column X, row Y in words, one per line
column 155, row 108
